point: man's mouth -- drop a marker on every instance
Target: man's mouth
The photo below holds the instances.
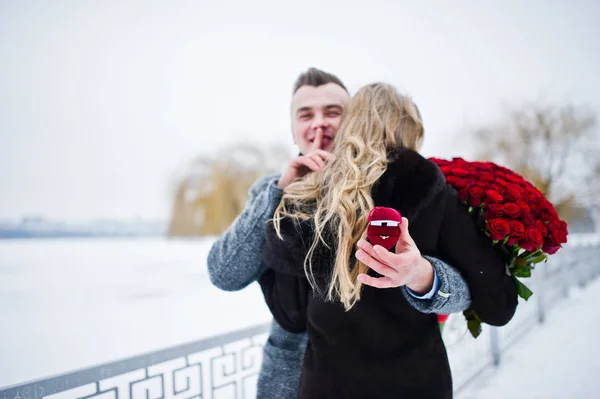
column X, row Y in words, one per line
column 325, row 141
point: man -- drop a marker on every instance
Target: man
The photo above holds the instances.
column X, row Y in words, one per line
column 234, row 260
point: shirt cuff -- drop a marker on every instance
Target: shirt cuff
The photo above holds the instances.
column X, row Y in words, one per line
column 430, row 294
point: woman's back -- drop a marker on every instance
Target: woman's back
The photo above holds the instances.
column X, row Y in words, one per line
column 382, row 347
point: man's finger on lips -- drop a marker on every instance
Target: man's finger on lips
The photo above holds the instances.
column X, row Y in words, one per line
column 374, row 264
column 318, row 139
column 376, row 282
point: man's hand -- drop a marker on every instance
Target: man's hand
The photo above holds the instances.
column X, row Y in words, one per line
column 303, row 164
column 404, row 267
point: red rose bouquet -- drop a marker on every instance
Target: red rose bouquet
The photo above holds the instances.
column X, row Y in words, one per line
column 521, row 222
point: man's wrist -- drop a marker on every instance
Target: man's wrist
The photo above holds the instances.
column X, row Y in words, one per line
column 423, row 282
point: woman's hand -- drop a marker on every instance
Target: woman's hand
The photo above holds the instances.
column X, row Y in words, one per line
column 405, row 266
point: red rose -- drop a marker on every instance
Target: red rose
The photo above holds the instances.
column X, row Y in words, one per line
column 546, row 215
column 485, row 176
column 550, row 248
column 512, row 210
column 498, row 188
column 439, row 161
column 470, row 180
column 558, row 231
column 459, row 162
column 493, row 196
column 524, row 207
column 541, row 227
column 484, row 166
column 533, row 239
column 442, row 318
column 513, row 193
column 501, row 182
column 513, row 178
column 494, row 211
column 548, row 207
column 564, row 229
column 517, row 232
column 457, row 182
column 528, row 219
column 498, row 228
column 462, row 194
column 531, row 194
column 446, row 170
column 534, row 207
column 475, row 195
column 460, row 172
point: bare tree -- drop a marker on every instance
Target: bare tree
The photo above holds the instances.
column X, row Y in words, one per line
column 557, row 148
column 214, row 189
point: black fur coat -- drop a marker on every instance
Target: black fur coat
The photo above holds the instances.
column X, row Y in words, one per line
column 383, row 347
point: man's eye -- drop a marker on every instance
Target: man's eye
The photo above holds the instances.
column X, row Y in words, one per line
column 333, row 114
column 305, row 116
column 385, row 223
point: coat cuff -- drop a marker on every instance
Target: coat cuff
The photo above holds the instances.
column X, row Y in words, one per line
column 452, row 295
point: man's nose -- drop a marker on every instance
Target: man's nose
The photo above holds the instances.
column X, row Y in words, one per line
column 319, row 121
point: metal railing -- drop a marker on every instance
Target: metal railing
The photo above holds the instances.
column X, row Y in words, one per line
column 575, row 265
column 227, row 366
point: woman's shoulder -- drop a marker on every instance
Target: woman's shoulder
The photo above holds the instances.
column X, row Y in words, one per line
column 410, row 183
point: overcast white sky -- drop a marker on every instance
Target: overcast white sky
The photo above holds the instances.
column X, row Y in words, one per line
column 102, row 101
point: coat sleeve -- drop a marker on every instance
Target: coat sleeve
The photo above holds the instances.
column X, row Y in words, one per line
column 284, row 285
column 493, row 293
column 234, row 260
column 286, row 296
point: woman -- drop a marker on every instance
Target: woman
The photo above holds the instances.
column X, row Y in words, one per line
column 366, row 342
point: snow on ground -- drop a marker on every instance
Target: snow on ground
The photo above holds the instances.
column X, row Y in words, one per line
column 66, row 304
column 559, row 359
column 69, row 304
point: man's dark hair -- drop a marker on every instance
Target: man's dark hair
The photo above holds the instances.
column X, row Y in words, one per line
column 316, row 77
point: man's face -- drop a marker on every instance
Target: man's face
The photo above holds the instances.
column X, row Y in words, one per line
column 315, row 108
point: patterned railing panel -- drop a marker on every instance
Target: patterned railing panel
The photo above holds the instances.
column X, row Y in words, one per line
column 226, row 366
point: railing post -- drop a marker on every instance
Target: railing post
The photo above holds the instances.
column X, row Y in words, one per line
column 594, row 258
column 582, row 266
column 566, row 277
column 540, row 295
column 495, row 345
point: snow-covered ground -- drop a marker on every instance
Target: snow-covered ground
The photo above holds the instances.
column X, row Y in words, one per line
column 558, row 360
column 66, row 304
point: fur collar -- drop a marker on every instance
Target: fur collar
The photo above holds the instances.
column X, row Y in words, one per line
column 409, row 184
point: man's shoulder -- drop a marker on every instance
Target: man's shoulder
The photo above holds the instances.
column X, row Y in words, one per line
column 262, row 183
